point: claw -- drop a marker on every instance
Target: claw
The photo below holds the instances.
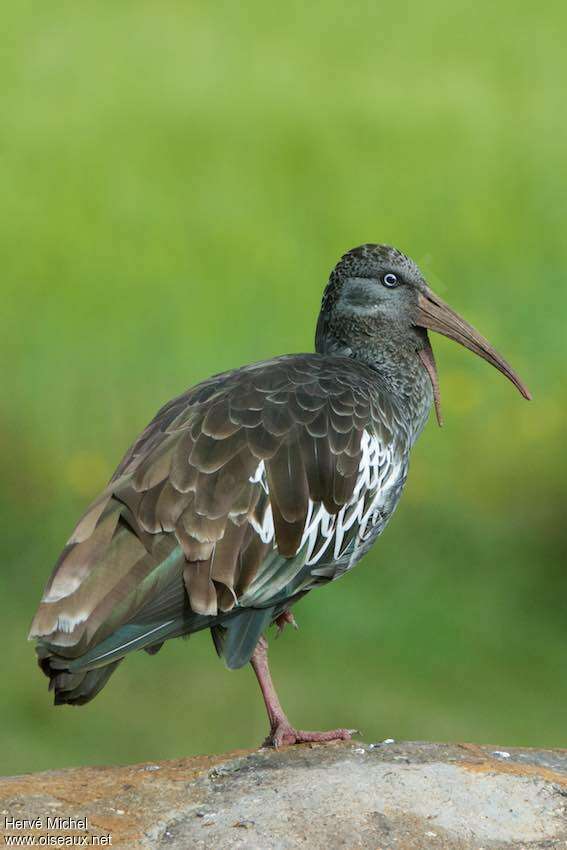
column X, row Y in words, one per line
column 285, row 619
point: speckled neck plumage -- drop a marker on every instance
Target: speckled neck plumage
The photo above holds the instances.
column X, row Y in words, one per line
column 398, row 368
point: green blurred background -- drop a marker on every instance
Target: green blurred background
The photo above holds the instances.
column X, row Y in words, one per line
column 177, row 180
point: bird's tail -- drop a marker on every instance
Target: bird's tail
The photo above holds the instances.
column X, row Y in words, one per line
column 77, row 680
column 109, row 596
column 74, row 688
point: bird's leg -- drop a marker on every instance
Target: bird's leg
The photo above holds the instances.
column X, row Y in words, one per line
column 286, row 618
column 281, row 730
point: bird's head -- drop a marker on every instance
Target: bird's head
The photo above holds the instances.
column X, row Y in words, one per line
column 378, row 299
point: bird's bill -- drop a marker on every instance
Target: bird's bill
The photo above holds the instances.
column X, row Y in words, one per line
column 435, row 315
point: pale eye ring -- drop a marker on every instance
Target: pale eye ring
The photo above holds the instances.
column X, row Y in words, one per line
column 390, row 280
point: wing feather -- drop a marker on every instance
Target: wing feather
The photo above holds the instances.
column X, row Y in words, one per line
column 220, row 507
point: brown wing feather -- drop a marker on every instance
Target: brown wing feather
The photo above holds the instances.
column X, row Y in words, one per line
column 189, row 482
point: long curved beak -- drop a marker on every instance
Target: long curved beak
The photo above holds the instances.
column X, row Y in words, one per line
column 435, row 315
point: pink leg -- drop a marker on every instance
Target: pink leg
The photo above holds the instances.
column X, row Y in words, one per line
column 281, row 730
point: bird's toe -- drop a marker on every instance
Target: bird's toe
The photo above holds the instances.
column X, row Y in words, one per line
column 284, row 735
column 284, row 620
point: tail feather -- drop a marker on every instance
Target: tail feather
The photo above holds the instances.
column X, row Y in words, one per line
column 78, row 680
column 237, row 638
column 74, row 688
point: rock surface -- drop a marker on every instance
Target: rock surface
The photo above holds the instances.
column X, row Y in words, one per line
column 407, row 796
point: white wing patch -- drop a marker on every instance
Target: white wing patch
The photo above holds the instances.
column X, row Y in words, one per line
column 325, row 534
column 376, row 471
column 265, row 530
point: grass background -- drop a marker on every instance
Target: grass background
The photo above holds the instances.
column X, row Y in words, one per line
column 177, row 180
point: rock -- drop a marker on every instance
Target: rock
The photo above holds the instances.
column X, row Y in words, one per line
column 408, row 796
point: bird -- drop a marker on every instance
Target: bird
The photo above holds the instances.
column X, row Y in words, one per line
column 255, row 487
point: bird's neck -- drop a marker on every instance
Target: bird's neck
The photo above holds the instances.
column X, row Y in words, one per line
column 399, row 369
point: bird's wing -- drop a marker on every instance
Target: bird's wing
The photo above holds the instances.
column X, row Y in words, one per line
column 218, row 507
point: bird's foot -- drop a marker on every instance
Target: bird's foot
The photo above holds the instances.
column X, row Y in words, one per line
column 284, row 735
column 284, row 620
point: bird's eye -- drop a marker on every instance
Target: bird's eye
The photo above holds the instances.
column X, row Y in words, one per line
column 390, row 280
